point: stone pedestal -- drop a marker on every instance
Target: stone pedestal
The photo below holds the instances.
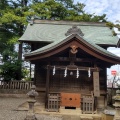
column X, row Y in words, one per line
column 117, row 105
column 32, row 94
column 30, row 114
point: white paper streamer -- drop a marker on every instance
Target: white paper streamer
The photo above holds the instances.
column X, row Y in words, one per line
column 54, row 70
column 65, row 73
column 77, row 75
column 89, row 72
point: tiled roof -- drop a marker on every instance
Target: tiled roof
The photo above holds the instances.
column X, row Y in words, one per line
column 50, row 31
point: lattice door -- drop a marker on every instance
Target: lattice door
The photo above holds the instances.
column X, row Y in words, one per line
column 53, row 102
column 88, row 104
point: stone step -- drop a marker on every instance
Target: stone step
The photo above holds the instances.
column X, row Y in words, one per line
column 86, row 118
column 70, row 111
column 79, row 117
column 68, row 117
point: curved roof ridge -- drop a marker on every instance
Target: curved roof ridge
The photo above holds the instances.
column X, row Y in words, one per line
column 66, row 22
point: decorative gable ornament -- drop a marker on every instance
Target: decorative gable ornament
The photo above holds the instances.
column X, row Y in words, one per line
column 74, row 49
column 74, row 30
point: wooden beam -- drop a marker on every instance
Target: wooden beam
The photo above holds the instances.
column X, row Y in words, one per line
column 74, row 67
column 67, row 59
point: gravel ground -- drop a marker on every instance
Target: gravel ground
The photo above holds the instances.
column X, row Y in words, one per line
column 8, row 110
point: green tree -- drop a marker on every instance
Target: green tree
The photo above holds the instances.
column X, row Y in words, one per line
column 10, row 65
column 64, row 10
column 13, row 19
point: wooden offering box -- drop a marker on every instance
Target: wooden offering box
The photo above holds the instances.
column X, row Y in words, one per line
column 70, row 100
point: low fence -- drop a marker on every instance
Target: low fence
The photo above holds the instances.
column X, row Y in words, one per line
column 19, row 85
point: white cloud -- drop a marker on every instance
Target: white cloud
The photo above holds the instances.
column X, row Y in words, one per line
column 99, row 7
column 114, row 50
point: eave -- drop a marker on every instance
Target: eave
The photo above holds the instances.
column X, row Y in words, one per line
column 73, row 39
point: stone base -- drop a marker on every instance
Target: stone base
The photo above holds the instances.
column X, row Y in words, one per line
column 117, row 118
column 70, row 111
column 30, row 116
column 71, row 117
column 86, row 118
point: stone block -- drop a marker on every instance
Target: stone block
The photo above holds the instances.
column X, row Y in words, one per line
column 86, row 118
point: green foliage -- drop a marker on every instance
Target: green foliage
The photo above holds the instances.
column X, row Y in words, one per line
column 110, row 25
column 26, row 74
column 4, row 38
column 10, row 69
column 64, row 10
column 13, row 40
column 49, row 10
column 114, row 33
column 11, row 65
column 27, row 79
column 117, row 26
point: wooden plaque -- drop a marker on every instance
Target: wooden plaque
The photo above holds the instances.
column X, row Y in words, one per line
column 96, row 84
column 70, row 100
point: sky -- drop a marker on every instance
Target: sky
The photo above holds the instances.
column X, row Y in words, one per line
column 109, row 7
column 115, row 67
column 112, row 10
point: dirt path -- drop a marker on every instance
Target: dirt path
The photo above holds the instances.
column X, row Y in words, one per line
column 8, row 110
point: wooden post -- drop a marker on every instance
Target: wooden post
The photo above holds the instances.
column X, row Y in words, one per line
column 96, row 87
column 30, row 70
column 105, row 99
column 20, row 51
column 34, row 75
column 96, row 84
column 47, row 84
column 20, row 58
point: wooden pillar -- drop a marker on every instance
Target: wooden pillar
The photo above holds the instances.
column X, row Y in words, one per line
column 35, row 75
column 96, row 87
column 47, row 84
column 30, row 70
column 20, row 51
column 20, row 58
column 105, row 102
column 96, row 84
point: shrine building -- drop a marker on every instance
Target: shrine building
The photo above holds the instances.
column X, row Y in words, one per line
column 71, row 61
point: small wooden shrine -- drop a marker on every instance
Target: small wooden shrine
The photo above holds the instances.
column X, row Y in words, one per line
column 70, row 60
